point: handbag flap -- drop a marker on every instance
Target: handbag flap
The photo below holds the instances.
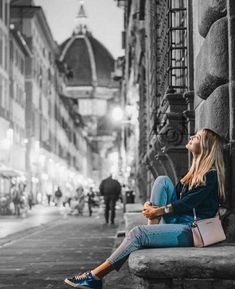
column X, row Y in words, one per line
column 211, row 230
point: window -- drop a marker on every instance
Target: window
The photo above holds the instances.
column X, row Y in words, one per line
column 44, row 130
column 1, row 9
column 5, row 94
column 1, row 90
column 22, row 66
column 12, row 51
column 1, row 48
column 6, row 12
column 6, row 53
column 173, row 68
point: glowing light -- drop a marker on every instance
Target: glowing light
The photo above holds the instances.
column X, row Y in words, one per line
column 10, row 134
column 42, row 159
column 6, row 144
column 35, row 180
column 117, row 114
column 45, row 177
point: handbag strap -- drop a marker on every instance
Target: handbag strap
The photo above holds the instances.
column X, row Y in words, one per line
column 218, row 213
column 194, row 215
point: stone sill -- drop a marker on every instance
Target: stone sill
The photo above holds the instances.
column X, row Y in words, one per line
column 215, row 262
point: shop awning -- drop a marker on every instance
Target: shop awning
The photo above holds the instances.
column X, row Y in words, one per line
column 6, row 172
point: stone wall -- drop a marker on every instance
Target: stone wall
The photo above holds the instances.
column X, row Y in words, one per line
column 167, row 127
column 213, row 82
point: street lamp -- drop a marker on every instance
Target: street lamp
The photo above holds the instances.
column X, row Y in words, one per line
column 117, row 114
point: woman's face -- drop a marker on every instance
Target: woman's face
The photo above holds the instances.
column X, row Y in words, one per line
column 194, row 143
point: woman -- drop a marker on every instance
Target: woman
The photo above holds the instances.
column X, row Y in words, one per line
column 201, row 188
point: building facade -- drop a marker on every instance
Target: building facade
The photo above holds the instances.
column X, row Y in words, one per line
column 91, row 87
column 5, row 125
column 19, row 51
column 181, row 54
column 42, row 134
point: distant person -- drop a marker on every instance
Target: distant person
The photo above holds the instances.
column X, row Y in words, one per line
column 111, row 190
column 58, row 196
column 30, row 200
column 16, row 199
column 49, row 195
column 90, row 200
column 80, row 197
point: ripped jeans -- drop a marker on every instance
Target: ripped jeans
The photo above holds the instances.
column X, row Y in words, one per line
column 176, row 232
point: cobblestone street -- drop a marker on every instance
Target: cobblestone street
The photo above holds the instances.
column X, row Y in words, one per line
column 44, row 256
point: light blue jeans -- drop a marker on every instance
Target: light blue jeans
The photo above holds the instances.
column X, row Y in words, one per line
column 176, row 232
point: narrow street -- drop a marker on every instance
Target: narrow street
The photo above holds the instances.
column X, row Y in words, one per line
column 44, row 256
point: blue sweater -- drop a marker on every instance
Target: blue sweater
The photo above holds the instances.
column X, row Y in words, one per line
column 203, row 198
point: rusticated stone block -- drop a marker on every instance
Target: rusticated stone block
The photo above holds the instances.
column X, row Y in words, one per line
column 209, row 12
column 213, row 113
column 214, row 262
column 212, row 60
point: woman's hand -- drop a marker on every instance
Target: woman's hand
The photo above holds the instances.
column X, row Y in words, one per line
column 147, row 204
column 152, row 212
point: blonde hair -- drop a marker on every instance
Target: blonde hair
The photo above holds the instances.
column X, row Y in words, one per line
column 210, row 156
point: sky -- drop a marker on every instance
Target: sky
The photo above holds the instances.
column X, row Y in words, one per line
column 105, row 20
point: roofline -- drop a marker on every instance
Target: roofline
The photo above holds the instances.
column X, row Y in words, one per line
column 21, row 41
column 108, row 51
column 38, row 11
column 47, row 29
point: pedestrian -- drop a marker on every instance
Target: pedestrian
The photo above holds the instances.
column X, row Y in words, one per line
column 49, row 195
column 111, row 190
column 90, row 200
column 201, row 188
column 58, row 196
column 80, row 197
column 67, row 195
column 16, row 199
column 30, row 200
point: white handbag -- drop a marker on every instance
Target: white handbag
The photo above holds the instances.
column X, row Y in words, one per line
column 207, row 231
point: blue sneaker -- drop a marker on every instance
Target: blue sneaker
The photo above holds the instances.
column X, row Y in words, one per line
column 84, row 281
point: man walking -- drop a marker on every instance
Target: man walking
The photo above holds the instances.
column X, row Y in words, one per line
column 90, row 200
column 110, row 189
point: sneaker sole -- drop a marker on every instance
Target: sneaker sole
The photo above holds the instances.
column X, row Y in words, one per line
column 66, row 281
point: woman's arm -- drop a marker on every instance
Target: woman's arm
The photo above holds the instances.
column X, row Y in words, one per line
column 152, row 212
column 190, row 201
column 197, row 195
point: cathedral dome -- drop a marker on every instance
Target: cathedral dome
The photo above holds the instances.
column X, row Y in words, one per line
column 90, row 63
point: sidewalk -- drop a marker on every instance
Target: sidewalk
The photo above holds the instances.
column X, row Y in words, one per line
column 43, row 256
column 13, row 228
column 39, row 215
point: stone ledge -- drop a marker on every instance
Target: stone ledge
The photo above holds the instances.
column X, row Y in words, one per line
column 215, row 262
column 136, row 207
column 134, row 219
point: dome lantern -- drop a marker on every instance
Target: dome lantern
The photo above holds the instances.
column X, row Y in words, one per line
column 81, row 19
